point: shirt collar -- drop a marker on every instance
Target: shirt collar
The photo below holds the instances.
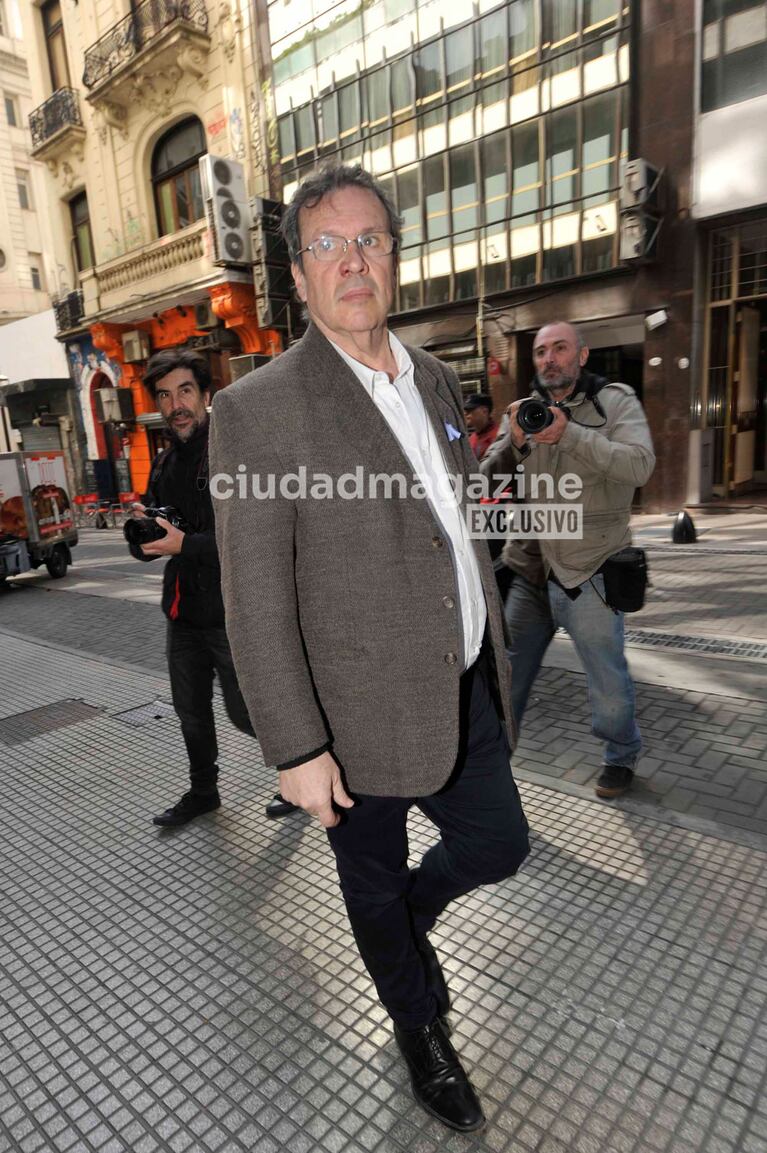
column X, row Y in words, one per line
column 367, row 376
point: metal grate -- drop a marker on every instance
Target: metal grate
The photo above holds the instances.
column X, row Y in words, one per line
column 20, row 727
column 146, row 714
column 752, row 650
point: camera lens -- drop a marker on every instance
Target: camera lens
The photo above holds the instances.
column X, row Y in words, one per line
column 533, row 415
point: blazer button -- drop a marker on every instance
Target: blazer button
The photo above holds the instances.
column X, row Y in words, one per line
column 451, row 659
column 448, row 602
column 437, row 542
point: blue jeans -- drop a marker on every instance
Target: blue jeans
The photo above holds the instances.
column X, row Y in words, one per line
column 533, row 614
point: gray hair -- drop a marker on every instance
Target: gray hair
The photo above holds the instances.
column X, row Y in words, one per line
column 319, row 185
column 579, row 338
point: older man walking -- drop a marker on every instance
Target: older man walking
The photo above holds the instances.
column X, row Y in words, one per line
column 367, row 633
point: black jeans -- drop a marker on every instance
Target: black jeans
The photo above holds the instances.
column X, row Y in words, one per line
column 193, row 656
column 483, row 840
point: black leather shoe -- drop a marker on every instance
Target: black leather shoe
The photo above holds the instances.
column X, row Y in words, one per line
column 434, row 976
column 190, row 806
column 439, row 1082
column 279, row 807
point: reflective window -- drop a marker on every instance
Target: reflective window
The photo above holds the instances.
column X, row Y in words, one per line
column 329, row 121
column 522, row 31
column 463, row 188
column 599, row 150
column 435, row 197
column 594, row 11
column 561, row 163
column 560, row 20
column 287, row 137
column 526, row 170
column 428, row 71
column 349, row 109
column 459, row 57
column 304, row 128
column 734, row 66
column 402, row 86
column 409, row 207
column 493, row 40
column 377, row 96
column 495, row 177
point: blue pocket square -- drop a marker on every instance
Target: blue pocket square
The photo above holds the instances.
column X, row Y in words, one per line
column 452, row 433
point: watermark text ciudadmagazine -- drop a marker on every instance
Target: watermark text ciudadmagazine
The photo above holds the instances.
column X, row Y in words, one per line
column 506, row 504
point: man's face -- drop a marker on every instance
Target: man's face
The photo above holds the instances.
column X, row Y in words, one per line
column 477, row 419
column 181, row 403
column 354, row 294
column 558, row 360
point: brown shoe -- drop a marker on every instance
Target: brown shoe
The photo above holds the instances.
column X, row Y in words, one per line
column 614, row 781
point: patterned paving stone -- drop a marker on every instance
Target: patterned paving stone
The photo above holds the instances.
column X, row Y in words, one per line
column 199, row 990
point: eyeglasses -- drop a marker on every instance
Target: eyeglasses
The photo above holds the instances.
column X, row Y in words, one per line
column 332, row 248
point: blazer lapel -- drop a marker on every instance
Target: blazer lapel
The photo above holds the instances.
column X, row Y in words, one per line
column 353, row 412
column 440, row 406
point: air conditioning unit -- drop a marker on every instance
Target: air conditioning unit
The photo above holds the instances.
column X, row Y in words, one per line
column 223, row 188
column 114, row 404
column 640, row 186
column 640, row 211
column 135, row 346
column 242, row 365
column 204, row 316
column 272, row 278
column 638, row 236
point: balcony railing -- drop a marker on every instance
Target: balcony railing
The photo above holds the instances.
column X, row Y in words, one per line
column 135, row 32
column 68, row 311
column 62, row 110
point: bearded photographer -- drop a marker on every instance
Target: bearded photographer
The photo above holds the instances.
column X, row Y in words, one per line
column 197, row 647
column 597, row 431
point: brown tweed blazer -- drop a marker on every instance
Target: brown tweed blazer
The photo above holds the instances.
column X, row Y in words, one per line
column 342, row 614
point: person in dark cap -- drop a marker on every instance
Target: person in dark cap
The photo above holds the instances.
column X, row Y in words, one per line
column 478, row 410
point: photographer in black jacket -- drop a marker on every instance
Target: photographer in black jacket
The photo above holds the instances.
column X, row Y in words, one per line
column 197, row 645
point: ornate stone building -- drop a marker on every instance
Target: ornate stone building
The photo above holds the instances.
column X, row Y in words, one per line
column 129, row 98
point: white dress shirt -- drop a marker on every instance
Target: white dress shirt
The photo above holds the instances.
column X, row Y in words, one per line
column 401, row 406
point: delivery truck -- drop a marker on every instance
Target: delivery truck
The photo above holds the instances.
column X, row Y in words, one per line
column 36, row 518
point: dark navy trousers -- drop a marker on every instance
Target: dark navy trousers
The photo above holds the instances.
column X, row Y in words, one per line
column 484, row 839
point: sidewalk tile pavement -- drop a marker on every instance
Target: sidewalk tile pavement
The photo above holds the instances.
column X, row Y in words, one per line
column 199, row 990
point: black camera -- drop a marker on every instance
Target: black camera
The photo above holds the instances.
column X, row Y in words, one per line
column 141, row 530
column 533, row 415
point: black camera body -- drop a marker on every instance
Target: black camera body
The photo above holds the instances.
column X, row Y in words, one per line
column 142, row 530
column 535, row 414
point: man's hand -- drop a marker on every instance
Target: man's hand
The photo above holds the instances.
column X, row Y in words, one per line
column 168, row 545
column 518, row 436
column 137, row 509
column 315, row 787
column 552, row 434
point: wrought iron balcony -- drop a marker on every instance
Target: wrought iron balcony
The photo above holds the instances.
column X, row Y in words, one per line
column 68, row 311
column 60, row 112
column 130, row 36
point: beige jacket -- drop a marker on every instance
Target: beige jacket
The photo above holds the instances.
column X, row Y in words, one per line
column 343, row 615
column 611, row 455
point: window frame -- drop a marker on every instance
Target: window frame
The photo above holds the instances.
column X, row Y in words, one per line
column 53, row 34
column 170, row 175
column 24, row 189
column 77, row 228
column 11, row 101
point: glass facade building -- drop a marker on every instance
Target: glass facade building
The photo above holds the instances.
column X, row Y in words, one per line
column 500, row 129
